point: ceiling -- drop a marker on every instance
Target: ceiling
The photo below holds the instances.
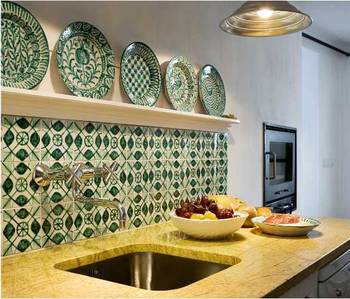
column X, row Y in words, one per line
column 331, row 21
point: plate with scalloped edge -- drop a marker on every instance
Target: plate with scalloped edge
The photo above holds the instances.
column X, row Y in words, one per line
column 302, row 228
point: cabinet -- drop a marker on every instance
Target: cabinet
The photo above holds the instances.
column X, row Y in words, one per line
column 332, row 280
column 307, row 288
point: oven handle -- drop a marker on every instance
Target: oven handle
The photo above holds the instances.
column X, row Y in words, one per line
column 274, row 156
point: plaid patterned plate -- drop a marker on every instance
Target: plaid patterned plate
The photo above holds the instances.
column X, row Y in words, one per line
column 140, row 74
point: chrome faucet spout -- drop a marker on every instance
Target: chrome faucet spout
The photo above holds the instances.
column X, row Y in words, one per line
column 122, row 213
column 74, row 178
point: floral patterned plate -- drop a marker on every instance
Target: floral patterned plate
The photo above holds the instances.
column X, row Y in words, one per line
column 24, row 48
column 181, row 84
column 212, row 90
column 140, row 74
column 85, row 60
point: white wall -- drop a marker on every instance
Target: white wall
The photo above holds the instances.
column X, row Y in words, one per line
column 323, row 130
column 344, row 204
column 266, row 87
column 309, row 168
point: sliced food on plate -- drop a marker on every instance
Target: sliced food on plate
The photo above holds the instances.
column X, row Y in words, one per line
column 282, row 219
column 285, row 224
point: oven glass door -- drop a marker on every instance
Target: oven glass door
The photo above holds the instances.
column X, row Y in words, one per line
column 279, row 164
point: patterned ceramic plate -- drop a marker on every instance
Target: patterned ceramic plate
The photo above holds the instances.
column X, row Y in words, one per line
column 181, row 84
column 298, row 229
column 140, row 74
column 212, row 90
column 85, row 60
column 24, row 48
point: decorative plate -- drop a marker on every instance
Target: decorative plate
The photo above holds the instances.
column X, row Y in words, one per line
column 24, row 48
column 297, row 229
column 140, row 74
column 85, row 60
column 212, row 90
column 181, row 84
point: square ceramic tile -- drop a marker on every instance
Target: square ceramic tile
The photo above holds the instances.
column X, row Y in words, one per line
column 20, row 139
column 57, row 191
column 159, row 206
column 159, row 172
column 221, row 148
column 87, row 221
column 110, row 221
column 114, row 142
column 87, row 141
column 158, row 141
column 221, row 175
column 57, row 141
column 127, row 139
column 21, row 230
column 140, row 146
column 18, row 187
column 57, row 223
column 92, row 187
column 176, row 174
column 137, row 176
column 138, row 210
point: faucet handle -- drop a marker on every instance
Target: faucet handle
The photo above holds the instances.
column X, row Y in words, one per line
column 75, row 175
column 110, row 172
column 43, row 175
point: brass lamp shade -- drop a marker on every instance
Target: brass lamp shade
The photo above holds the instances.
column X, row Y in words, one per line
column 265, row 18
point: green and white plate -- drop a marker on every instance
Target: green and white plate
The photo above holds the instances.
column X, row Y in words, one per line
column 85, row 60
column 140, row 74
column 212, row 90
column 24, row 48
column 301, row 228
column 181, row 84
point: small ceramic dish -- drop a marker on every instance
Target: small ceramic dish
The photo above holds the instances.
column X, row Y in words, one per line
column 296, row 229
column 209, row 229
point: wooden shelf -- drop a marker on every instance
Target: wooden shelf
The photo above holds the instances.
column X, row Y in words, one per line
column 59, row 106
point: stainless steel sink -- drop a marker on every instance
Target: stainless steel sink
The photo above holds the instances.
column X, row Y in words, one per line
column 151, row 271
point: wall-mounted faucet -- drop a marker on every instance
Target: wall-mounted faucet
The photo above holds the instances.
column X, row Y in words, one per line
column 74, row 177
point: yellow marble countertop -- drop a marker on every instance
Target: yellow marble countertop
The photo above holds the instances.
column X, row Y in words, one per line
column 267, row 265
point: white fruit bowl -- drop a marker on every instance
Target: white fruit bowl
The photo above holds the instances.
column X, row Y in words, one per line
column 209, row 229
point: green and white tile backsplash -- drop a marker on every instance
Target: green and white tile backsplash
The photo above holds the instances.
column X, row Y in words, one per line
column 156, row 169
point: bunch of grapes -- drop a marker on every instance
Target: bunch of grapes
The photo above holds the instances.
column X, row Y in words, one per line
column 200, row 206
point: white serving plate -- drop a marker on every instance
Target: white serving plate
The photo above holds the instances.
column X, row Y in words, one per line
column 209, row 229
column 296, row 229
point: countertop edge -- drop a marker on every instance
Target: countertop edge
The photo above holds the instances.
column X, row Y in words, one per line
column 317, row 265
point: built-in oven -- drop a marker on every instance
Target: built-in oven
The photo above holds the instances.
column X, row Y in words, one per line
column 280, row 187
